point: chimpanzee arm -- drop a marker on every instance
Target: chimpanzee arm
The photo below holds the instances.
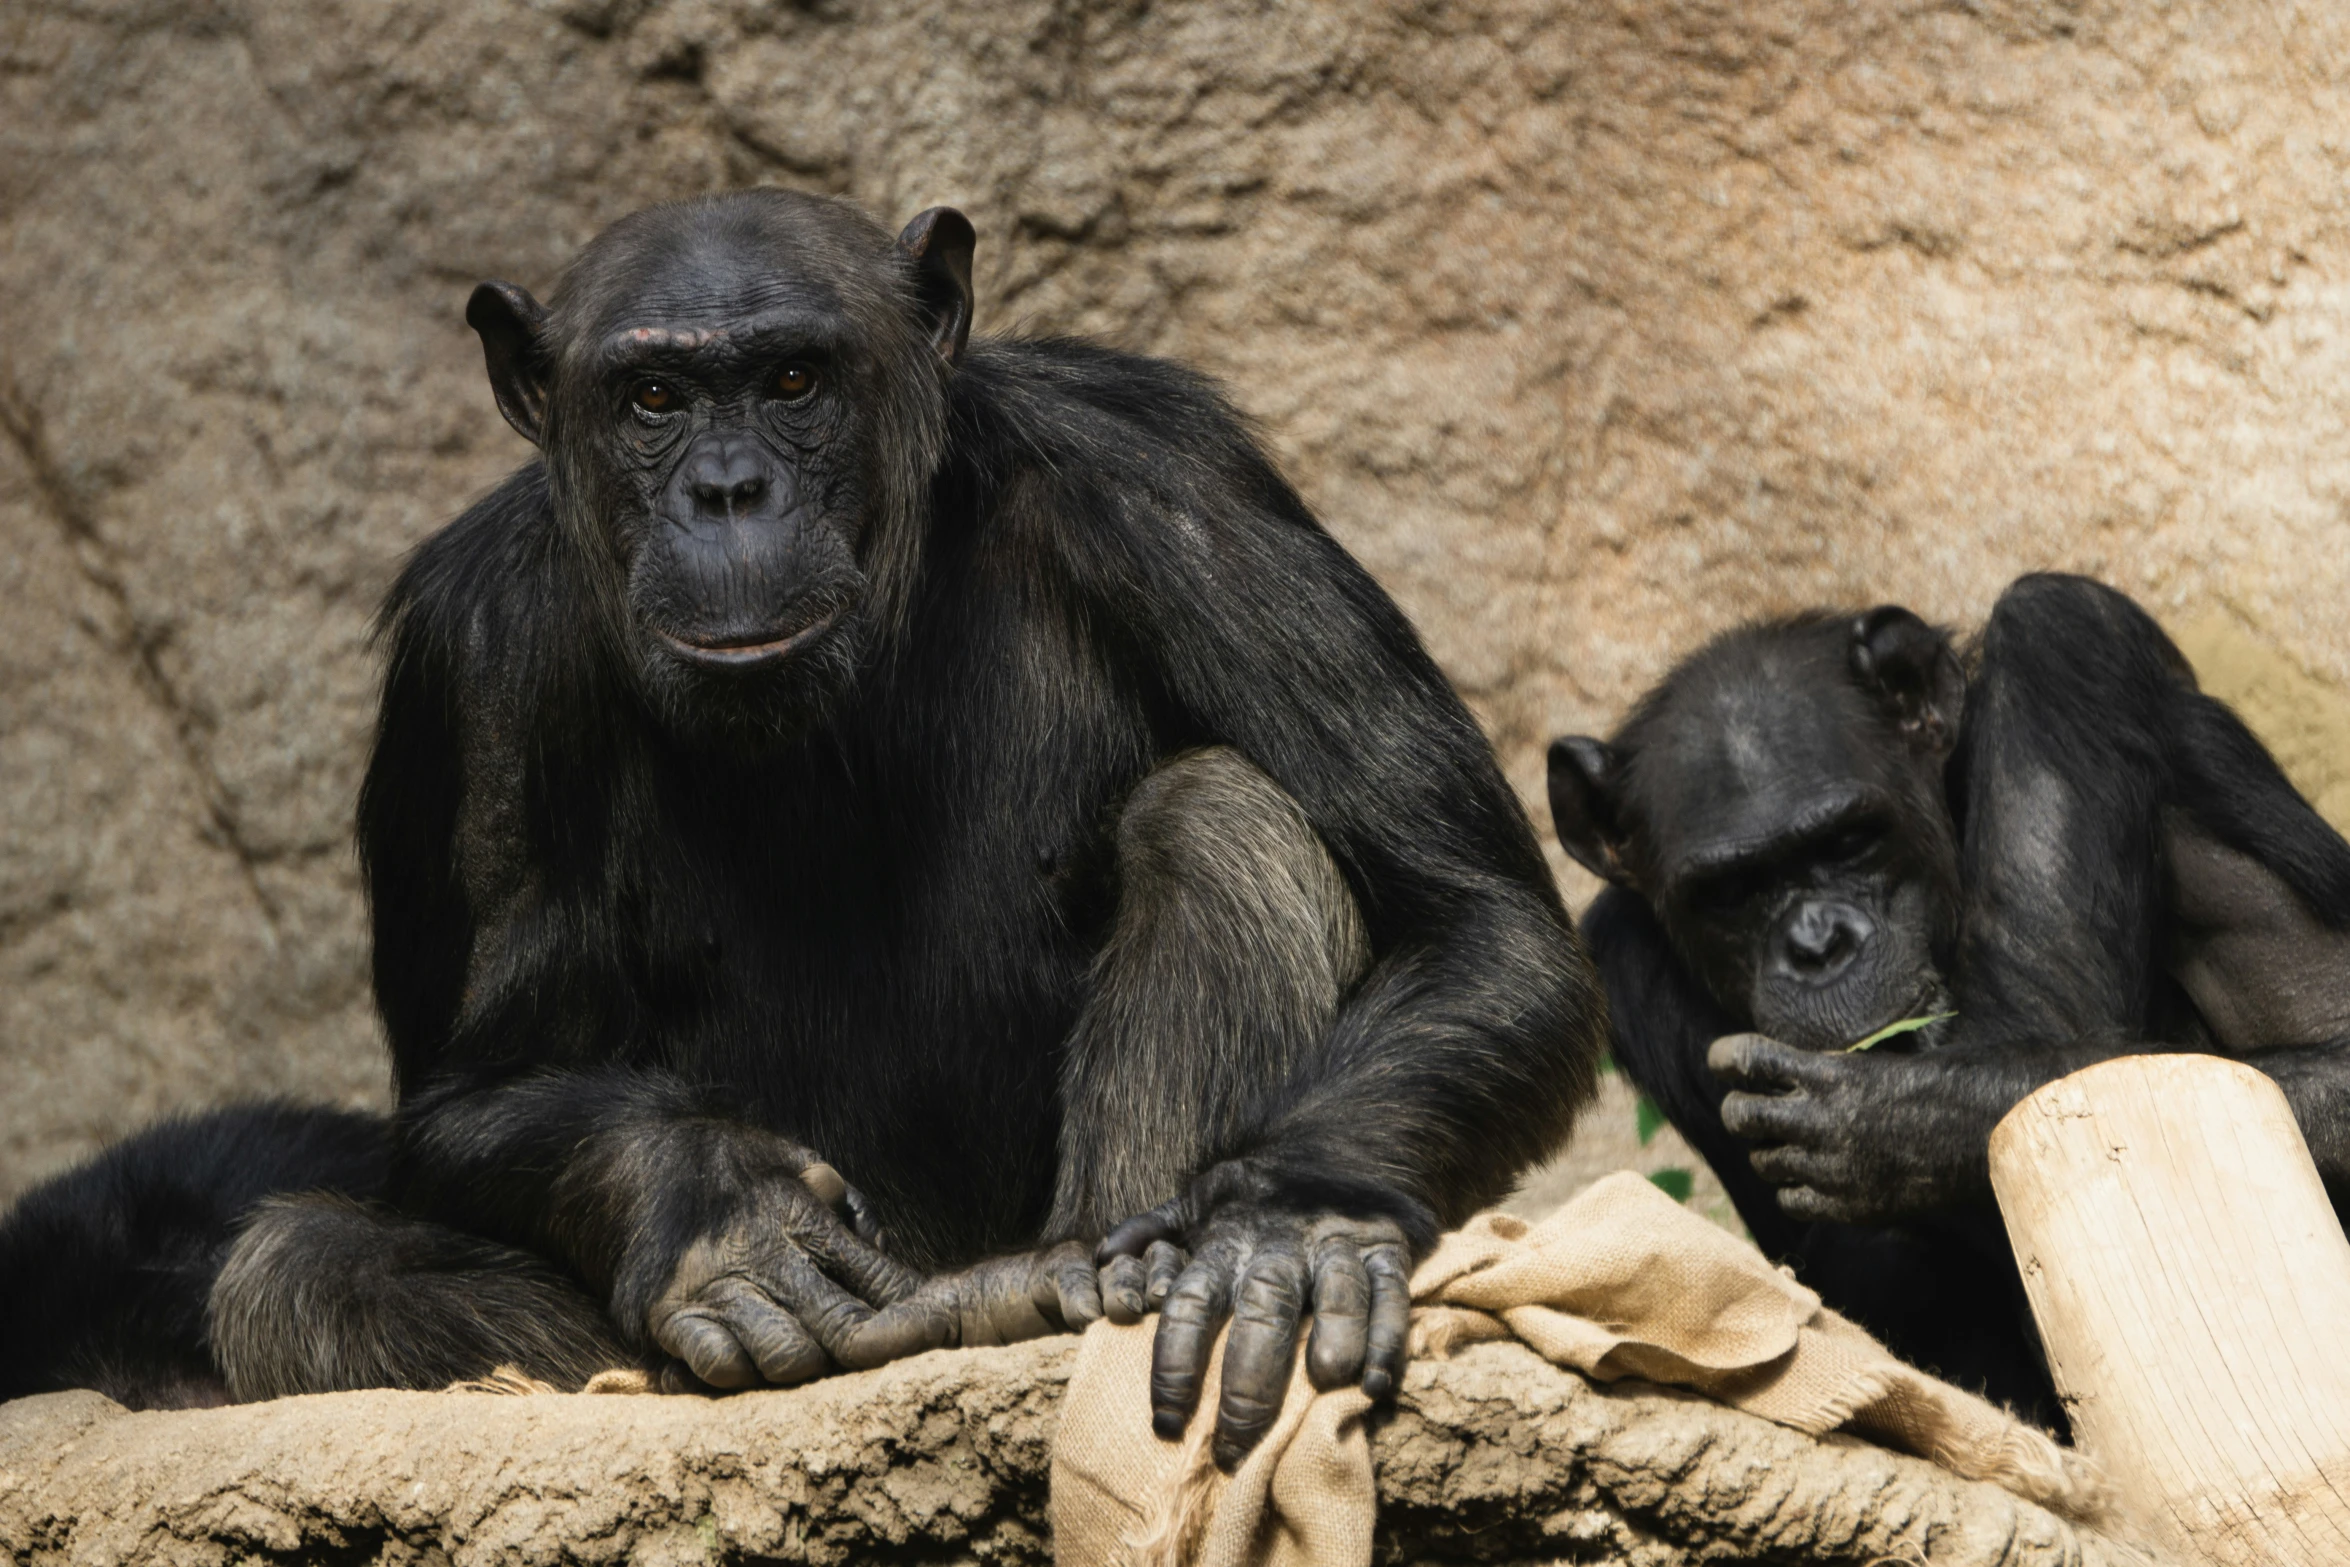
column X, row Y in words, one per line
column 1462, row 1054
column 1660, row 1022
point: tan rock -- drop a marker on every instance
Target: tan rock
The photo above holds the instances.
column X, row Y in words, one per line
column 1498, row 1454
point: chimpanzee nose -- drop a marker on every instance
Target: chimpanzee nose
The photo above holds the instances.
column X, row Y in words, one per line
column 726, row 480
column 1824, row 937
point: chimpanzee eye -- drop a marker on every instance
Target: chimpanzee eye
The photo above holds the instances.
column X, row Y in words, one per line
column 793, row 382
column 655, row 397
column 1851, row 844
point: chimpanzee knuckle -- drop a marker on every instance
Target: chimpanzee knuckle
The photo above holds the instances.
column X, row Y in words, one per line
column 777, row 1344
column 1751, row 1116
column 708, row 1348
column 1734, row 1057
column 1778, row 1164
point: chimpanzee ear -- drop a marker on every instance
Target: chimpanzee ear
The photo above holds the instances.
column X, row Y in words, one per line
column 1583, row 786
column 1909, row 666
column 940, row 242
column 513, row 331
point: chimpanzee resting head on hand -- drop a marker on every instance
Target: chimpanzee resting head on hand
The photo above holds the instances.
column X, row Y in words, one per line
column 857, row 753
column 1778, row 803
column 1819, row 826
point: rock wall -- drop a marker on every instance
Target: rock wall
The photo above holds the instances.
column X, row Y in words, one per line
column 1590, row 326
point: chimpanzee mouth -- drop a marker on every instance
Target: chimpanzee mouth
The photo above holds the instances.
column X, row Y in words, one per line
column 750, row 653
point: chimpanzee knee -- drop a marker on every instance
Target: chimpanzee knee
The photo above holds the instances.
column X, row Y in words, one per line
column 1234, row 939
column 323, row 1294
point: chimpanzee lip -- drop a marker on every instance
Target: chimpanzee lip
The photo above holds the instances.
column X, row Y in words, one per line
column 749, row 654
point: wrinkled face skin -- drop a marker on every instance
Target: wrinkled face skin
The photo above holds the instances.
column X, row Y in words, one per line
column 1779, row 804
column 1808, row 883
column 739, row 409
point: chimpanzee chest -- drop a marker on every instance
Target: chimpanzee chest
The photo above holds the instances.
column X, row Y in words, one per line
column 885, row 963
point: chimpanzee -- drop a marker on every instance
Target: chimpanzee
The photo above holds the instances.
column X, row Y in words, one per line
column 856, row 753
column 1818, row 826
column 105, row 1268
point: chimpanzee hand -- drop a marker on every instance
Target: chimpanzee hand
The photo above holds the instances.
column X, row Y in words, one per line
column 765, row 1292
column 785, row 1289
column 1868, row 1137
column 1265, row 1268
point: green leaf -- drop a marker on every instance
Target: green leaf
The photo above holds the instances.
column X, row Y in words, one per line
column 1648, row 1118
column 1607, row 1064
column 1908, row 1025
column 1674, row 1182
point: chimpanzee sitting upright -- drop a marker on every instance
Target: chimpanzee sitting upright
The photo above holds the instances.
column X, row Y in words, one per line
column 1819, row 826
column 974, row 766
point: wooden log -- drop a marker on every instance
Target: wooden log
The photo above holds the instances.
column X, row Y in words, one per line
column 2192, row 1286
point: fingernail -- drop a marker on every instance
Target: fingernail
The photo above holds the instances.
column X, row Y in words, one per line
column 1378, row 1384
column 1167, row 1423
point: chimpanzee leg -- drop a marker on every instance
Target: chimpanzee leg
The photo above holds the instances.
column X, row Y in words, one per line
column 323, row 1294
column 1235, row 938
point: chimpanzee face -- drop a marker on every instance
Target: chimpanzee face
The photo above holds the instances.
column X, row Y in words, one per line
column 1778, row 801
column 732, row 401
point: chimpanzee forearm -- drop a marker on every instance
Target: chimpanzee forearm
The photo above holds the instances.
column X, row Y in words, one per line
column 2316, row 1081
column 1415, row 1106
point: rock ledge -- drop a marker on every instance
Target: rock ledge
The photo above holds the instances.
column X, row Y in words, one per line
column 1495, row 1456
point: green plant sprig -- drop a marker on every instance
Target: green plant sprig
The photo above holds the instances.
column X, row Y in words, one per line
column 1908, row 1025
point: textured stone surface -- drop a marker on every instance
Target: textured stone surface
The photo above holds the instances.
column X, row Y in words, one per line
column 1589, row 326
column 1496, row 1456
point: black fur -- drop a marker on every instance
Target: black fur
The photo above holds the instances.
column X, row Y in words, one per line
column 105, row 1269
column 2107, row 861
column 653, row 933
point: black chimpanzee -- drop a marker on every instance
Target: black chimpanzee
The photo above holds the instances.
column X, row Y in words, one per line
column 1819, row 826
column 969, row 769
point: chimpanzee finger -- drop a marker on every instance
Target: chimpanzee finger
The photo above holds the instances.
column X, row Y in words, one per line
column 848, row 1204
column 1785, row 1165
column 830, row 1313
column 1259, row 1351
column 1138, row 1234
column 1069, row 1287
column 877, row 1278
column 826, row 1183
column 1814, row 1206
column 1123, row 1283
column 907, row 1328
column 1194, row 1310
column 1761, row 1064
column 1166, row 1261
column 864, row 1220
column 1342, row 1314
column 1768, row 1118
column 706, row 1346
column 782, row 1350
column 1389, row 1336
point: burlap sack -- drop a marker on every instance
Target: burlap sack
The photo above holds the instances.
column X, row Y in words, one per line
column 1620, row 1282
